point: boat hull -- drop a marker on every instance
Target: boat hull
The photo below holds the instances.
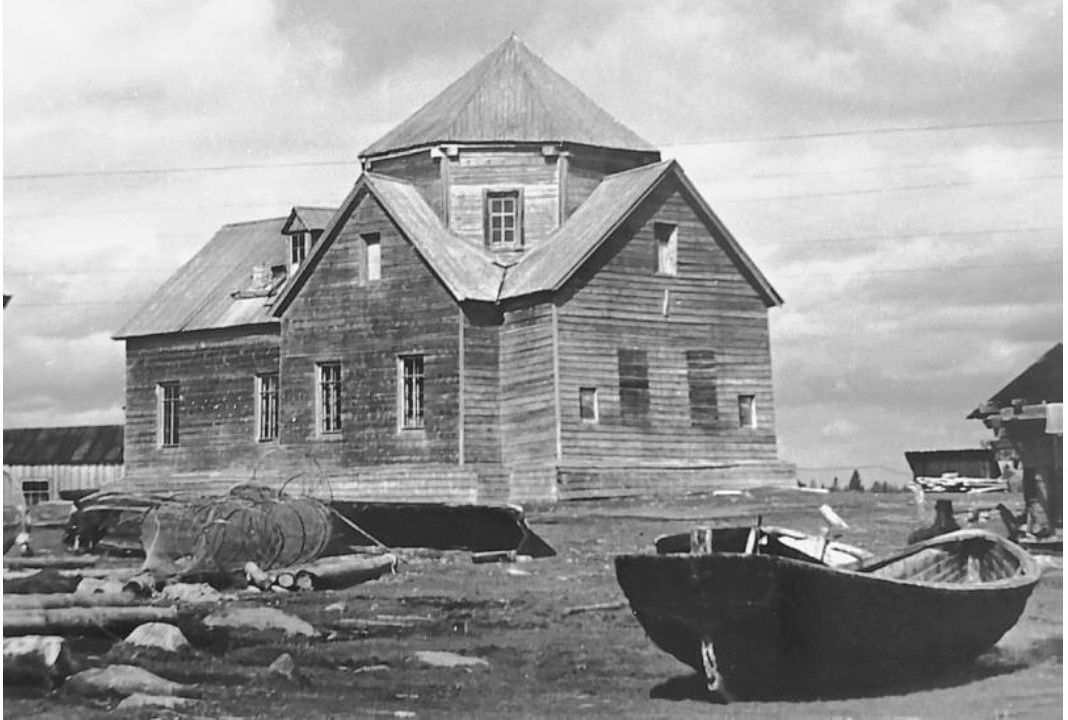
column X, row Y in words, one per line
column 773, row 627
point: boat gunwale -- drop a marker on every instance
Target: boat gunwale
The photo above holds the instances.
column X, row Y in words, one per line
column 1029, row 573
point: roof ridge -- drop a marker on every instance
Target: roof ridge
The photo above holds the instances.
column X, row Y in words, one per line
column 239, row 223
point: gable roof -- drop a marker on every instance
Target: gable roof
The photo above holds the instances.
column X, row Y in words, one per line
column 551, row 264
column 469, row 272
column 511, row 95
column 303, row 218
column 199, row 295
column 80, row 445
column 1042, row 381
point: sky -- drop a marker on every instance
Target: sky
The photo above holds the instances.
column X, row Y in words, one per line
column 893, row 167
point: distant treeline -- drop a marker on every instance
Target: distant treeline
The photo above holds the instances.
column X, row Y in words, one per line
column 856, row 485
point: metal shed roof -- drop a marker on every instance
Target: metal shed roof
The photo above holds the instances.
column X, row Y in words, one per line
column 199, row 295
column 79, row 445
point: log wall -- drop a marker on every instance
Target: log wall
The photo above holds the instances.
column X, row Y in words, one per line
column 618, row 302
column 216, row 371
column 476, row 171
column 365, row 326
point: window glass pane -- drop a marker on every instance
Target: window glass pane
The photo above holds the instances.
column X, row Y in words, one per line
column 412, row 381
column 169, row 399
column 747, row 411
column 588, row 404
column 373, row 257
column 330, row 397
column 268, row 407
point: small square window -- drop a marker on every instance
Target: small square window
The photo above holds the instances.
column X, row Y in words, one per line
column 588, row 404
column 747, row 411
column 35, row 492
column 667, row 248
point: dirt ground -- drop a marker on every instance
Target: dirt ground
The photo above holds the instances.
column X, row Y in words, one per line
column 544, row 662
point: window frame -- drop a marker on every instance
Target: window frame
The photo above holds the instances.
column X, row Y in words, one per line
column 747, row 411
column 666, row 236
column 411, row 393
column 594, row 405
column 168, row 413
column 36, row 495
column 267, row 407
column 328, row 397
column 372, row 240
column 298, row 239
column 488, row 196
column 634, row 394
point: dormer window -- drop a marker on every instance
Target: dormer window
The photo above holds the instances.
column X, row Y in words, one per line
column 503, row 220
column 298, row 248
column 300, row 243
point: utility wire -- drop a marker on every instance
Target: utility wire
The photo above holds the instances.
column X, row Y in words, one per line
column 870, row 131
column 866, row 191
column 935, row 234
column 708, row 141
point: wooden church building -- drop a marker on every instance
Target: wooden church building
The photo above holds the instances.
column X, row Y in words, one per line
column 518, row 300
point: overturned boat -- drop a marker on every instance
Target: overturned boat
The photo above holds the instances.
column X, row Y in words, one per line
column 759, row 625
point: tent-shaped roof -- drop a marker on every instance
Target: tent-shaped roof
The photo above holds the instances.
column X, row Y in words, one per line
column 511, row 95
column 1042, row 382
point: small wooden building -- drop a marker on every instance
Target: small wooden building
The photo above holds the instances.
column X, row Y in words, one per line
column 62, row 463
column 517, row 300
column 1028, row 412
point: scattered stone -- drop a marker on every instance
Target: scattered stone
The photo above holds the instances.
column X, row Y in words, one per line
column 143, row 700
column 158, row 635
column 283, row 666
column 441, row 658
column 36, row 660
column 123, row 680
column 516, row 571
column 193, row 593
column 335, row 607
column 259, row 618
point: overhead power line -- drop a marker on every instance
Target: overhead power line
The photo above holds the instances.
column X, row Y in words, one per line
column 708, row 141
column 870, row 131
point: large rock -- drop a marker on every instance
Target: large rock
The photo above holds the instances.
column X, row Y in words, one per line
column 259, row 618
column 123, row 680
column 35, row 660
column 194, row 593
column 158, row 635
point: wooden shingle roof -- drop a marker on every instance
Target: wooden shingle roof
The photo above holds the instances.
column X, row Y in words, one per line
column 511, row 95
column 80, row 445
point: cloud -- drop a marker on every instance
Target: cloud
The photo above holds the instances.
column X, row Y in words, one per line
column 921, row 270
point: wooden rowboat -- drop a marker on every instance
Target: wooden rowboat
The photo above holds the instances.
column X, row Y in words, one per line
column 769, row 540
column 760, row 626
